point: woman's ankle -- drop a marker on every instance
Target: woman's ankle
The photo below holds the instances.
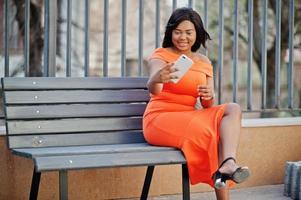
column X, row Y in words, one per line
column 228, row 167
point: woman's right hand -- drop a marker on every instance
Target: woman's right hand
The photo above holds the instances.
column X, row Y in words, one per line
column 161, row 72
column 164, row 75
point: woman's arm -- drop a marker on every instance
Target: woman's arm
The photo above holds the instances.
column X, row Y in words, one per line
column 206, row 93
column 159, row 74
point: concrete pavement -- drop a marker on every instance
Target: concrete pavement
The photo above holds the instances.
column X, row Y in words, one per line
column 269, row 192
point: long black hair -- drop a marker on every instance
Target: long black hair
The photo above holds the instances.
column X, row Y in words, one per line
column 182, row 14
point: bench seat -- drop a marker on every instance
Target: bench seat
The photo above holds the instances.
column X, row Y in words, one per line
column 99, row 156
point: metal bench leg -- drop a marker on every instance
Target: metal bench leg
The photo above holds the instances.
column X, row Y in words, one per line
column 147, row 182
column 63, row 184
column 35, row 183
column 185, row 182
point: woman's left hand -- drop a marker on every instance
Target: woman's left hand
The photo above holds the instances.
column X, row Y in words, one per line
column 205, row 92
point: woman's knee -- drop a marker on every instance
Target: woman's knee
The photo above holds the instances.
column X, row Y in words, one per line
column 233, row 109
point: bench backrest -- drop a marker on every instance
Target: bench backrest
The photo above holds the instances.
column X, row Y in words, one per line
column 45, row 112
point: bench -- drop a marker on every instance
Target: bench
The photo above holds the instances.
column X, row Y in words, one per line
column 80, row 123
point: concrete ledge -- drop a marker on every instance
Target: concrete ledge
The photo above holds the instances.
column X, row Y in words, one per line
column 265, row 122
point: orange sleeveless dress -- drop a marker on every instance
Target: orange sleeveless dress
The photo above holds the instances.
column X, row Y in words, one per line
column 171, row 119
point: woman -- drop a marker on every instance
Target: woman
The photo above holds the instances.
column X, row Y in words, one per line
column 209, row 136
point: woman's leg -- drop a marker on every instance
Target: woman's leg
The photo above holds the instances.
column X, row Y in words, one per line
column 229, row 136
column 222, row 194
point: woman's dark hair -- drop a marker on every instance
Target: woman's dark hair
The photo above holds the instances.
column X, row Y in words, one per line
column 182, row 14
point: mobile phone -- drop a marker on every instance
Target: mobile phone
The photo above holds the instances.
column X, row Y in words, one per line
column 182, row 64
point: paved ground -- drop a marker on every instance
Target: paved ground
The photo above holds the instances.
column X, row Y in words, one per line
column 269, row 192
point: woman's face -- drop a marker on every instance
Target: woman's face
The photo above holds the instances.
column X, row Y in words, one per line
column 184, row 36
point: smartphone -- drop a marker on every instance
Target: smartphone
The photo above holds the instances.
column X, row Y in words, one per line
column 182, row 65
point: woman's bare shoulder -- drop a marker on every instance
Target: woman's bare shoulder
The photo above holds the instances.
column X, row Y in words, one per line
column 202, row 58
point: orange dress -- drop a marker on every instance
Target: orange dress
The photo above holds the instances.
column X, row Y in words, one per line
column 171, row 119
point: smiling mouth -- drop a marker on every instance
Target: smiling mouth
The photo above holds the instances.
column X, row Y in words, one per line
column 183, row 44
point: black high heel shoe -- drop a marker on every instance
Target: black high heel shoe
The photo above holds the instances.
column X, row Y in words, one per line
column 238, row 176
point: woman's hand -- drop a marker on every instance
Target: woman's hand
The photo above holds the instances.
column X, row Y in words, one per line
column 164, row 75
column 205, row 92
column 160, row 73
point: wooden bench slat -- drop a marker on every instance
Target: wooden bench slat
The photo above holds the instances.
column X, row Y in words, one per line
column 75, row 96
column 57, row 140
column 74, row 110
column 48, row 163
column 88, row 149
column 38, row 83
column 73, row 125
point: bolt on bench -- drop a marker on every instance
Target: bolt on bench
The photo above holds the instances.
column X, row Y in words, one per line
column 80, row 123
